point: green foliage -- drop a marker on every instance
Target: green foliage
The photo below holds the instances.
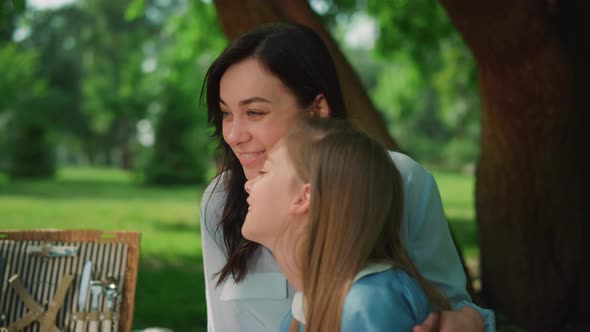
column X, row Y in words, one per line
column 134, row 10
column 26, row 130
column 175, row 157
column 9, row 12
column 420, row 76
column 107, row 65
column 181, row 153
column 418, row 28
column 37, row 159
column 18, row 81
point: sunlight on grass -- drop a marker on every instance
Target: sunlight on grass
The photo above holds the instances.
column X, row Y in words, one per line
column 457, row 192
column 168, row 219
column 106, row 199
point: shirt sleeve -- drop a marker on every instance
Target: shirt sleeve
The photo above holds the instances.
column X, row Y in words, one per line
column 427, row 236
column 214, row 258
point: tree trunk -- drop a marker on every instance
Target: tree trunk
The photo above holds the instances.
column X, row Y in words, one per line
column 530, row 176
column 237, row 17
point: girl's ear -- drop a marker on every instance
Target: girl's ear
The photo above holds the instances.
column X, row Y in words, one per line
column 321, row 108
column 300, row 205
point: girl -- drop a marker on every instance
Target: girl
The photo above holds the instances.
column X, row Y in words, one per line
column 328, row 204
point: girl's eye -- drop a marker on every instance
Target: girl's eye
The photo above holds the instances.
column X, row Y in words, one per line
column 225, row 114
column 261, row 173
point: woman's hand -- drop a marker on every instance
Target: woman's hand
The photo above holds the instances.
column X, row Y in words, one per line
column 464, row 319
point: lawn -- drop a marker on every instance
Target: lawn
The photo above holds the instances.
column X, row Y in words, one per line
column 170, row 286
column 457, row 192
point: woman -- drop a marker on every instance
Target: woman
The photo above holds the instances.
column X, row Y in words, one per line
column 260, row 85
column 328, row 204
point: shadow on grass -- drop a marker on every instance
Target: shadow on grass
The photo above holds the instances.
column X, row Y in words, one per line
column 171, row 293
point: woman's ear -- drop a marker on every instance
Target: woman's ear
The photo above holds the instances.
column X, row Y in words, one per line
column 300, row 205
column 320, row 107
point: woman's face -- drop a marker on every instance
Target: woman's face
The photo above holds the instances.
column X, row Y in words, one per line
column 272, row 195
column 257, row 111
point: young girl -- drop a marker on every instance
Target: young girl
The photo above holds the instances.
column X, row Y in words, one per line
column 328, row 203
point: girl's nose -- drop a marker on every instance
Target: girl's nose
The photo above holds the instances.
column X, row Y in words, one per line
column 248, row 186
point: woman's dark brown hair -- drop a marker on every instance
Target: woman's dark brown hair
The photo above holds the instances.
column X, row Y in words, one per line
column 298, row 57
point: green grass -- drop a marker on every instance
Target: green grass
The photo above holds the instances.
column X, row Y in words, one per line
column 170, row 287
column 457, row 192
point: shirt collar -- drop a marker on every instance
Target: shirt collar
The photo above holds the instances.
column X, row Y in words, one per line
column 298, row 304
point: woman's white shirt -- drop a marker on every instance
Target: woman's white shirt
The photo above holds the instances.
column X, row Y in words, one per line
column 260, row 302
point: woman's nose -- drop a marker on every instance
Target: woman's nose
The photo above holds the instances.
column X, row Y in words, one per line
column 236, row 133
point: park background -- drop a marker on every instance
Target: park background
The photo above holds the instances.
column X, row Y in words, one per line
column 101, row 127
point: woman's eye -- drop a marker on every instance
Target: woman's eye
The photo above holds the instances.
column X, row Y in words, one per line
column 225, row 114
column 255, row 113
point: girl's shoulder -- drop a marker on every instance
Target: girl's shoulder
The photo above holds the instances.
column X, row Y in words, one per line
column 393, row 281
column 385, row 300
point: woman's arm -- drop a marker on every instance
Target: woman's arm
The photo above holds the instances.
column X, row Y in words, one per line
column 426, row 234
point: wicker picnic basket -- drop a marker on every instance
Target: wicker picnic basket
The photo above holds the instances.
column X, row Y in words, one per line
column 42, row 273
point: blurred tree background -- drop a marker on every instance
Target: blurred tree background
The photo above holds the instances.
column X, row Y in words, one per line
column 100, row 110
column 107, row 83
column 116, row 83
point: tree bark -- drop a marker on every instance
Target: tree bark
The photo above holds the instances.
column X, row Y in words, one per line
column 237, row 17
column 530, row 177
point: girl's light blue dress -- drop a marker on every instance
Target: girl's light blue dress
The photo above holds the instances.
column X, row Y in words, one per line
column 389, row 300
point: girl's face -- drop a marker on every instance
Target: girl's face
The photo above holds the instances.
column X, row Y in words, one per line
column 274, row 197
column 257, row 111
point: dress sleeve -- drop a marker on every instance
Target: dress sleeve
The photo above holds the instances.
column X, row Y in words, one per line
column 427, row 236
column 377, row 309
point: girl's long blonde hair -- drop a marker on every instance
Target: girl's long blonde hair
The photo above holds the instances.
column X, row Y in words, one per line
column 355, row 216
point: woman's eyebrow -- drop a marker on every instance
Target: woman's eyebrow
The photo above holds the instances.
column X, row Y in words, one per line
column 253, row 100
column 248, row 101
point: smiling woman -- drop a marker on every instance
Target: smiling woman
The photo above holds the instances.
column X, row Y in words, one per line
column 255, row 116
